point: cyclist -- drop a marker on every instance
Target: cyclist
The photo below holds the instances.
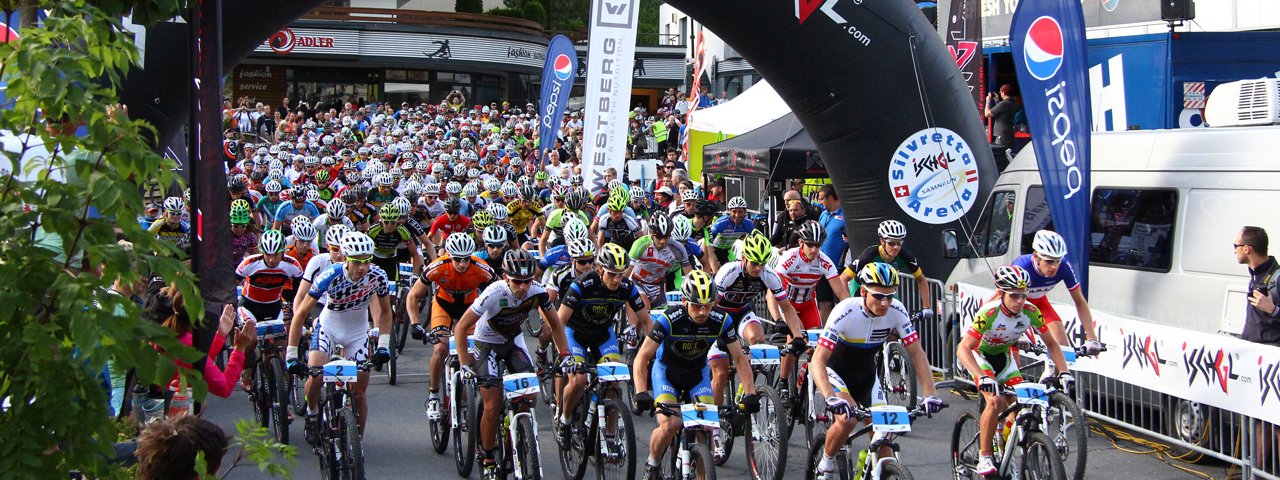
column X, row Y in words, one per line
column 269, row 204
column 387, row 237
column 525, row 213
column 803, row 268
column 333, row 245
column 574, row 202
column 588, row 309
column 1048, row 266
column 843, row 367
column 678, row 345
column 385, row 192
column 430, row 206
column 265, row 276
column 457, row 277
column 617, row 226
column 452, row 221
column 297, row 206
column 985, row 350
column 891, row 251
column 497, row 316
column 700, row 258
column 335, row 214
column 583, row 255
column 343, row 324
column 559, row 255
column 655, row 257
column 729, row 228
column 173, row 228
column 244, row 240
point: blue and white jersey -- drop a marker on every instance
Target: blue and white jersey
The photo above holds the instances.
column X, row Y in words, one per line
column 556, row 256
column 724, row 232
column 693, row 247
column 347, row 294
column 286, row 211
column 1041, row 285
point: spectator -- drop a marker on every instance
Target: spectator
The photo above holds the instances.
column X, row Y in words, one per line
column 832, row 220
column 715, row 192
column 784, row 228
column 220, row 382
column 167, row 449
column 1000, row 109
column 662, row 198
column 1262, row 322
column 724, row 98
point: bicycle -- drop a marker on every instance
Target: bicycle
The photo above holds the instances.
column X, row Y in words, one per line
column 517, row 438
column 1064, row 421
column 898, row 372
column 1027, row 453
column 802, row 395
column 297, row 390
column 600, row 411
column 458, row 390
column 440, row 428
column 688, row 457
column 270, row 393
column 398, row 289
column 338, row 443
column 868, row 465
column 764, row 433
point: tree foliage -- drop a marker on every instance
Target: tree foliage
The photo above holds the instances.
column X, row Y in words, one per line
column 469, row 6
column 58, row 325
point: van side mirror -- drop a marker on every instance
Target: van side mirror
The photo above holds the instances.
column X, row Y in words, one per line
column 953, row 246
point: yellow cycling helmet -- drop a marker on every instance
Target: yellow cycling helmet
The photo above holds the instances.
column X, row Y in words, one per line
column 699, row 288
column 612, row 258
column 876, row 273
column 757, row 249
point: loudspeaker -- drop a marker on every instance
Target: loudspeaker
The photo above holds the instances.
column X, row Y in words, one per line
column 1177, row 10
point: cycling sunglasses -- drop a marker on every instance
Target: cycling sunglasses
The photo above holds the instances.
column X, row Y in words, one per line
column 585, row 261
column 520, row 281
column 880, row 296
column 361, row 259
column 461, row 259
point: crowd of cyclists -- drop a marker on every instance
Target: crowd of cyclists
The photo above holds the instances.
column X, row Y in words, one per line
column 321, row 224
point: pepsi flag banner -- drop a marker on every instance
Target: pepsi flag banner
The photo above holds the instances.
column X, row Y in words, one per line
column 557, row 81
column 610, row 58
column 1051, row 62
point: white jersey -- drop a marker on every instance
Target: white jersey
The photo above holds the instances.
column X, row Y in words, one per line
column 317, row 263
column 738, row 290
column 803, row 275
column 851, row 325
column 502, row 314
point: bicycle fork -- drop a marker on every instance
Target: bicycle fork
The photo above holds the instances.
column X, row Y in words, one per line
column 513, row 421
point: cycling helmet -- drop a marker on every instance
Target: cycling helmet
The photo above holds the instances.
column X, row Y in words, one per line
column 519, row 264
column 313, row 196
column 690, row 196
column 660, row 224
column 580, row 247
column 357, row 244
column 558, row 191
column 1012, row 277
column 699, row 288
column 494, row 235
column 310, row 160
column 333, row 236
column 431, row 189
column 473, row 173
column 482, row 219
column 492, row 185
column 303, row 230
column 241, row 203
column 239, row 215
column 540, row 176
column 892, row 229
column 236, row 184
column 575, row 228
column 576, row 180
column 298, row 192
column 575, row 200
column 619, row 198
column 879, row 274
column 352, row 177
column 615, row 183
column 453, row 188
column 612, row 258
column 498, row 210
column 459, row 245
column 403, row 205
column 509, row 189
column 174, row 205
column 395, row 172
column 528, row 192
column 811, row 232
column 384, row 179
column 322, row 177
column 452, row 205
column 470, row 190
column 337, row 207
column 271, row 243
column 389, row 212
column 1048, row 244
column 756, row 249
column 274, row 187
column 737, row 202
column 681, row 228
column 637, row 193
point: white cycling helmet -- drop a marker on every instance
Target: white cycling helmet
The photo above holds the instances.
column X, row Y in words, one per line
column 1012, row 277
column 459, row 245
column 494, row 235
column 403, row 204
column 174, row 204
column 356, row 244
column 737, row 202
column 575, row 228
column 689, row 196
column 337, row 207
column 274, row 187
column 333, row 236
column 272, row 242
column 303, row 230
column 498, row 210
column 580, row 247
column 1048, row 244
column 453, row 188
column 431, row 189
column 384, row 179
column 682, row 228
column 892, row 229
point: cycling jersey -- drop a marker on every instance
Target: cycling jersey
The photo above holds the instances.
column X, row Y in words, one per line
column 998, row 331
column 803, row 274
column 453, row 286
column 651, row 264
column 241, row 244
column 724, row 232
column 317, row 264
column 622, row 232
column 521, row 214
column 905, row 262
column 286, row 212
column 179, row 234
column 854, row 336
column 385, row 243
column 738, row 290
column 684, row 343
column 555, row 257
column 594, row 305
column 263, row 284
column 268, row 207
column 556, row 220
column 303, row 257
column 502, row 313
column 559, row 279
column 415, row 229
column 344, row 321
column 1040, row 285
column 429, row 211
column 322, row 224
column 377, row 198
column 442, row 224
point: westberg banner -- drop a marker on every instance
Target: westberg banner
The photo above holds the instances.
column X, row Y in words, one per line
column 610, row 57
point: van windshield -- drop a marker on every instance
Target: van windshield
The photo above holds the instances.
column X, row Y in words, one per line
column 991, row 237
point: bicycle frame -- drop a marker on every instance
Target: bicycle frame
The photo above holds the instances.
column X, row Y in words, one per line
column 513, row 410
column 1025, row 422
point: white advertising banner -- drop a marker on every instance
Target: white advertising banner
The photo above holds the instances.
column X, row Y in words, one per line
column 1218, row 370
column 610, row 58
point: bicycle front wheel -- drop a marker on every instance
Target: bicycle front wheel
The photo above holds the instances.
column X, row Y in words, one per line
column 1068, row 427
column 766, row 438
column 616, row 455
column 894, row 471
column 439, row 428
column 526, row 449
column 573, row 457
column 700, row 465
column 1040, row 459
column 842, row 468
column 349, row 445
column 279, row 399
column 899, row 376
column 964, row 447
column 466, row 433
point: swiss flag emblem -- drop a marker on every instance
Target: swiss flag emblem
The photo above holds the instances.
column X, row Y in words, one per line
column 901, row 191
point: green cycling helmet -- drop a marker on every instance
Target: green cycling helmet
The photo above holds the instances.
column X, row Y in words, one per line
column 239, row 216
column 389, row 212
column 540, row 176
column 618, row 199
column 756, row 249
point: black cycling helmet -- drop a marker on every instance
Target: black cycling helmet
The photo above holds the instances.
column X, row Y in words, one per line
column 452, row 205
column 660, row 224
column 235, row 184
column 519, row 264
column 811, row 232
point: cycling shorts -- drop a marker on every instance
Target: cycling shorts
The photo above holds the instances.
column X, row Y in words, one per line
column 1046, row 309
column 587, row 352
column 866, row 385
column 353, row 342
column 513, row 353
column 742, row 319
column 656, row 292
column 808, row 313
column 1001, row 367
column 681, row 383
column 445, row 314
column 389, row 265
column 263, row 312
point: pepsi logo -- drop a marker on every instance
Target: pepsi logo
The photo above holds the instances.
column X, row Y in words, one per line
column 563, row 67
column 1042, row 48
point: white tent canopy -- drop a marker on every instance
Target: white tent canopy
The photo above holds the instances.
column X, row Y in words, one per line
column 755, row 107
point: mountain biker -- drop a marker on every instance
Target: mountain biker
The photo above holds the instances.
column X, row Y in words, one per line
column 803, row 268
column 1048, row 266
column 729, row 228
column 890, row 250
column 655, row 257
column 985, row 350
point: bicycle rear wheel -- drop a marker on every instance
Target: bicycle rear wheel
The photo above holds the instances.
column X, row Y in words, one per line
column 349, row 445
column 899, row 376
column 1068, row 427
column 894, row 471
column 1040, row 459
column 573, row 457
column 766, row 439
column 526, row 449
column 439, row 428
column 964, row 447
column 616, row 455
column 279, row 399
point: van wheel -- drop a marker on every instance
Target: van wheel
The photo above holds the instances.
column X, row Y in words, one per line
column 1189, row 422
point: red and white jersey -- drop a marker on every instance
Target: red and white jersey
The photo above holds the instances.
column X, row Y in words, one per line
column 263, row 284
column 802, row 275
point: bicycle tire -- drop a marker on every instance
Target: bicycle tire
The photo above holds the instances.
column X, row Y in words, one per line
column 261, row 396
column 326, row 450
column 701, row 463
column 768, row 461
column 297, row 394
column 574, row 457
column 894, row 471
column 466, row 432
column 625, row 434
column 1040, row 459
column 279, row 399
column 1068, row 427
column 349, row 439
column 546, row 379
column 843, row 469
column 823, row 419
column 900, row 383
column 440, row 429
column 964, row 446
column 394, row 352
column 526, row 449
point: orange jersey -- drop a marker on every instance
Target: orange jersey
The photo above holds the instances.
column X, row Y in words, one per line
column 303, row 257
column 263, row 284
column 453, row 286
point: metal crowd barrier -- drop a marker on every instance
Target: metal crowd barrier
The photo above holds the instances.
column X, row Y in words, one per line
column 933, row 332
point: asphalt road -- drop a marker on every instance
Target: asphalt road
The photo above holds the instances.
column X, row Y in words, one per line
column 397, row 446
